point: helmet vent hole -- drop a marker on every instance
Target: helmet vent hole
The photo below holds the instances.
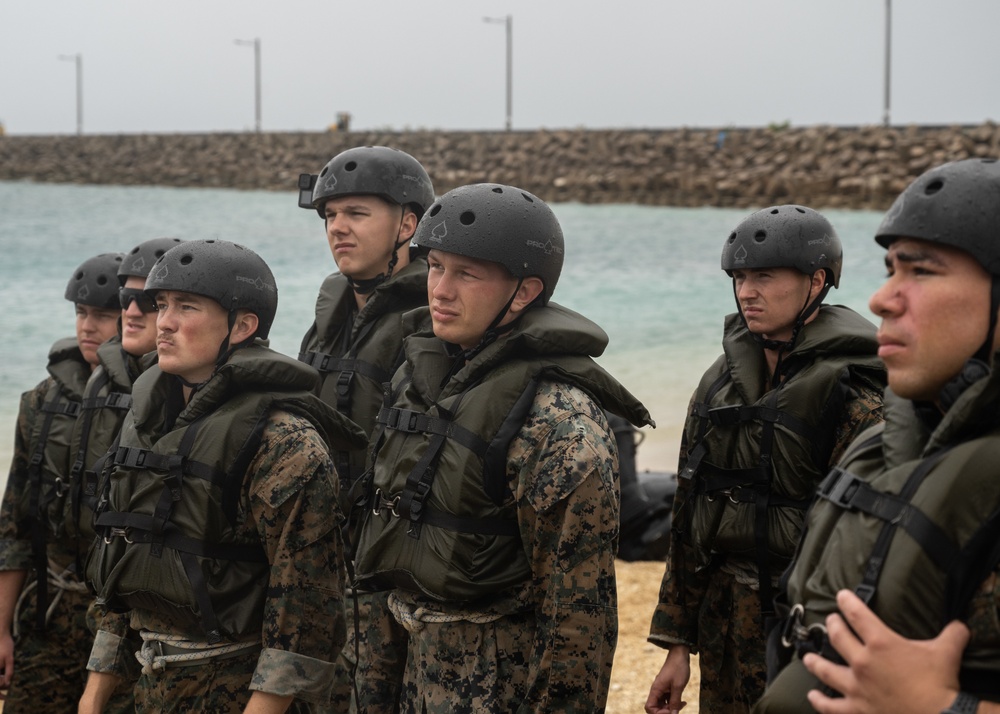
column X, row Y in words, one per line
column 800, row 210
column 759, row 236
column 989, row 161
column 324, row 171
column 435, row 210
column 933, row 187
column 497, row 189
column 528, row 198
column 732, row 236
column 79, row 276
column 774, row 211
column 101, row 280
column 467, row 218
column 350, row 166
column 186, row 260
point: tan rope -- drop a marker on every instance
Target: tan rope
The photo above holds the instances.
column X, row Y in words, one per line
column 152, row 659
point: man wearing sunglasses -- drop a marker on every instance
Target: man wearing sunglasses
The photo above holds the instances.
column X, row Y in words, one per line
column 107, row 398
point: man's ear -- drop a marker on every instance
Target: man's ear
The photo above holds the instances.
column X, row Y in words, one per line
column 816, row 283
column 245, row 327
column 530, row 289
column 408, row 226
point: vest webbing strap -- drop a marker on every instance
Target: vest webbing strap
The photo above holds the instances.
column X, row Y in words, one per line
column 324, row 363
column 173, row 484
column 735, row 414
column 136, row 458
column 480, row 526
column 140, row 530
column 761, row 504
column 35, row 507
column 115, row 400
column 847, row 491
column 417, row 422
column 876, row 561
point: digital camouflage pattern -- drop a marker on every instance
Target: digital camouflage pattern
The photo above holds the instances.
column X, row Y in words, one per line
column 546, row 646
column 382, row 660
column 732, row 661
column 709, row 610
column 289, row 500
column 49, row 666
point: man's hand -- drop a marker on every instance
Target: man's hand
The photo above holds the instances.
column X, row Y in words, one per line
column 665, row 694
column 885, row 672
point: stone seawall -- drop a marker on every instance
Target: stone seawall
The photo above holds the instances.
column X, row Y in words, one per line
column 819, row 166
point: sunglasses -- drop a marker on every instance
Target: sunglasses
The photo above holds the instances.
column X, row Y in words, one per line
column 145, row 303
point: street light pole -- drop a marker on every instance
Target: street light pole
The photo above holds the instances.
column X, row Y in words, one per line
column 78, row 59
column 888, row 56
column 255, row 42
column 509, row 22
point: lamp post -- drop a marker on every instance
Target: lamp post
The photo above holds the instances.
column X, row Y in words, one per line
column 508, row 21
column 888, row 54
column 78, row 59
column 255, row 43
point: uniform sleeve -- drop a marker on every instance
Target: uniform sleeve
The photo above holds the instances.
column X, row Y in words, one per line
column 566, row 489
column 293, row 497
column 112, row 651
column 675, row 619
column 15, row 540
column 863, row 409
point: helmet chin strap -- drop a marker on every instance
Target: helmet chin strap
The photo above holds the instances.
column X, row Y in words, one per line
column 980, row 364
column 226, row 351
column 365, row 286
column 492, row 333
column 782, row 346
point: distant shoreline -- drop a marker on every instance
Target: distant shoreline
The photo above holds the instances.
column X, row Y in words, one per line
column 820, row 166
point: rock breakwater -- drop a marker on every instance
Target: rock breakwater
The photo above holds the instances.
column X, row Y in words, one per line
column 820, row 166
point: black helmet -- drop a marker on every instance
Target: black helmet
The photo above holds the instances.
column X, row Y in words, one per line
column 785, row 237
column 138, row 261
column 957, row 204
column 233, row 276
column 499, row 223
column 95, row 282
column 381, row 171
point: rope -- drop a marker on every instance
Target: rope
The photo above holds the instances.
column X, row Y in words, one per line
column 153, row 660
column 61, row 580
column 414, row 618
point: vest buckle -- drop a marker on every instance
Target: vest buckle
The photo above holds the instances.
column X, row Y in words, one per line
column 382, row 502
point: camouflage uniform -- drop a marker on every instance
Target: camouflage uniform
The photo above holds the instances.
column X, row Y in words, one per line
column 716, row 610
column 49, row 663
column 546, row 646
column 373, row 335
column 289, row 494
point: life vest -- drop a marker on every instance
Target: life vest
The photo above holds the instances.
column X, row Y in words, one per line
column 49, row 465
column 168, row 513
column 106, row 400
column 910, row 521
column 357, row 352
column 441, row 518
column 756, row 454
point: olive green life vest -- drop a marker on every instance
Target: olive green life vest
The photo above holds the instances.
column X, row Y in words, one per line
column 357, row 352
column 441, row 519
column 168, row 515
column 49, row 465
column 757, row 453
column 106, row 400
column 910, row 521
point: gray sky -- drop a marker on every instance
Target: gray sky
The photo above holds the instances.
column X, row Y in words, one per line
column 398, row 64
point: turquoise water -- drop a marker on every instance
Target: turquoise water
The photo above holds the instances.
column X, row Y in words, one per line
column 649, row 275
